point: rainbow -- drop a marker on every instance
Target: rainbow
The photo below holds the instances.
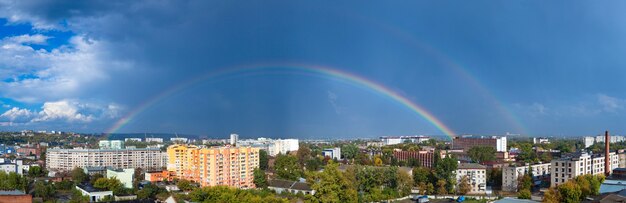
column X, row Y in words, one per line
column 458, row 69
column 314, row 70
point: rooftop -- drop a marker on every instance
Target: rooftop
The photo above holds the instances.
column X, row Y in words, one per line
column 11, row 192
column 89, row 188
column 470, row 166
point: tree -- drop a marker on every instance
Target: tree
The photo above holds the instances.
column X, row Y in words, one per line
column 286, row 167
column 378, row 161
column 430, row 188
column 12, row 181
column 44, row 190
column 524, row 194
column 228, row 194
column 149, row 191
column 263, row 159
column 111, row 184
column 552, row 195
column 570, row 192
column 78, row 175
column 444, row 170
column 259, row 178
column 313, row 164
column 441, row 187
column 349, row 151
column 480, row 154
column 494, row 177
column 464, row 185
column 404, row 183
column 331, row 186
column 35, row 171
column 420, row 175
column 185, row 185
column 524, row 182
column 95, row 177
column 304, row 155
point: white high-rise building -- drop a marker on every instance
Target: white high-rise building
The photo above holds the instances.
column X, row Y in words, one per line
column 233, row 139
column 333, row 153
column 581, row 163
column 111, row 144
column 510, row 173
column 283, row 146
column 68, row 159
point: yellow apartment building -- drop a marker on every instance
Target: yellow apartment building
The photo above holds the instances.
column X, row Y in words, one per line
column 232, row 166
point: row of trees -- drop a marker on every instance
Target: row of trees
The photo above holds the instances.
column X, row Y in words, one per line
column 575, row 190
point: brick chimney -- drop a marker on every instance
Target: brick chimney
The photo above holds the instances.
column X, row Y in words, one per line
column 607, row 159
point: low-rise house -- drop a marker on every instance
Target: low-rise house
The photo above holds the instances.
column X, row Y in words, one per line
column 156, row 176
column 94, row 194
column 15, row 196
column 125, row 176
column 477, row 175
column 293, row 187
column 510, row 174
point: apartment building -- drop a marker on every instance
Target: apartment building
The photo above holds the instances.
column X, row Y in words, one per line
column 232, row 166
column 272, row 147
column 477, row 175
column 580, row 163
column 111, row 144
column 510, row 174
column 391, row 140
column 467, row 142
column 425, row 157
column 68, row 159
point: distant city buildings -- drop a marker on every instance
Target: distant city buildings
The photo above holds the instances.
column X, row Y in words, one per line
column 232, row 166
column 133, row 139
column 391, row 140
column 510, row 174
column 589, row 140
column 16, row 166
column 476, row 174
column 111, row 144
column 541, row 140
column 333, row 153
column 271, row 146
column 467, row 142
column 154, row 139
column 233, row 139
column 179, row 139
column 580, row 163
column 68, row 159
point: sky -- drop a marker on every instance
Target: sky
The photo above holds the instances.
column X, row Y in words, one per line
column 479, row 67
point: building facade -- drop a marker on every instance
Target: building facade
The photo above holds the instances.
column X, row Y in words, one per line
column 125, row 176
column 233, row 139
column 466, row 143
column 425, row 158
column 477, row 175
column 283, row 146
column 510, row 174
column 68, row 159
column 577, row 164
column 232, row 166
column 111, row 144
column 333, row 153
column 391, row 140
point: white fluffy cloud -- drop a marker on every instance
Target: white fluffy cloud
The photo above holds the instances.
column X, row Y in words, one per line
column 63, row 110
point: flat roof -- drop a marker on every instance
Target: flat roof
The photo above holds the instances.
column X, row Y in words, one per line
column 11, row 192
column 470, row 166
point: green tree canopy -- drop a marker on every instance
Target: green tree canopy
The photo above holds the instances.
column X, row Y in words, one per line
column 286, row 167
column 480, row 154
column 331, row 186
column 260, row 181
column 349, row 151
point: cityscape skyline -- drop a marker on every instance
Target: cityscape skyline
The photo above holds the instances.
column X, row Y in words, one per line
column 328, row 70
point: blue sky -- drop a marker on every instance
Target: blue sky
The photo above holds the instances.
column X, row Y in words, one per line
column 481, row 67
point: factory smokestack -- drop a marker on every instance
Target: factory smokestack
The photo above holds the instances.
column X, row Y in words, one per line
column 607, row 159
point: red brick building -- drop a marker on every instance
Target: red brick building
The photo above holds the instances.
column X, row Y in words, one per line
column 14, row 196
column 466, row 143
column 424, row 157
column 29, row 150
